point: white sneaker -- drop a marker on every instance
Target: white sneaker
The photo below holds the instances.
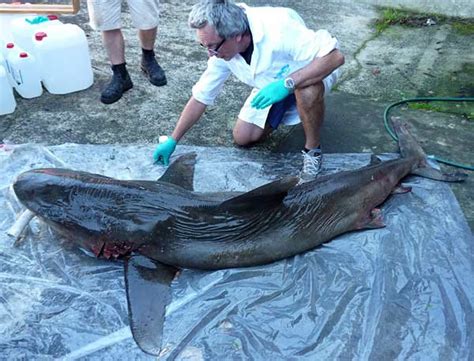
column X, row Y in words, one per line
column 312, row 162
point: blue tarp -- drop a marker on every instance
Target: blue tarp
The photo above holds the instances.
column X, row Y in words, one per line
column 401, row 292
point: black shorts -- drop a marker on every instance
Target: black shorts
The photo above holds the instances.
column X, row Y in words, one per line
column 278, row 110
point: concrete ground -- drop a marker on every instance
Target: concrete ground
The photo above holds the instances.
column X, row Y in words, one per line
column 381, row 68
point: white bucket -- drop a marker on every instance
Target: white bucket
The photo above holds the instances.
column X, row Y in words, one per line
column 63, row 58
column 7, row 100
column 24, row 29
column 25, row 74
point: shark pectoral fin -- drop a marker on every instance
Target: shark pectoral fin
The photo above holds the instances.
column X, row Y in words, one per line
column 181, row 172
column 148, row 293
column 261, row 197
column 373, row 221
column 401, row 189
column 435, row 174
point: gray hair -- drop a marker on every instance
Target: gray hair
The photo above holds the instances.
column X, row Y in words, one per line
column 225, row 16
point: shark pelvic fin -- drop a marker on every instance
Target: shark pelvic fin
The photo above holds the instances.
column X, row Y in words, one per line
column 181, row 172
column 401, row 189
column 148, row 293
column 261, row 197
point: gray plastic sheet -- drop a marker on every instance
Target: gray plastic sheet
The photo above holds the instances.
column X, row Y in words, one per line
column 401, row 292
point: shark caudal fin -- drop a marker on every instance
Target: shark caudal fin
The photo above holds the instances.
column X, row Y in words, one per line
column 409, row 147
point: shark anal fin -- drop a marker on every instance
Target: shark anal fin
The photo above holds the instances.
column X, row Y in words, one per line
column 373, row 221
column 148, row 293
column 181, row 172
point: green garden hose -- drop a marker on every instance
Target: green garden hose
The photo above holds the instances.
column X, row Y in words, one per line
column 417, row 100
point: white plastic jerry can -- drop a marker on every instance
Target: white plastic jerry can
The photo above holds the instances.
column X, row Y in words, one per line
column 25, row 73
column 7, row 49
column 63, row 56
column 24, row 29
column 7, row 100
column 3, row 61
column 6, row 20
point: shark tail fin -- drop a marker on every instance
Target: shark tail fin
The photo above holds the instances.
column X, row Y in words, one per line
column 407, row 143
column 409, row 147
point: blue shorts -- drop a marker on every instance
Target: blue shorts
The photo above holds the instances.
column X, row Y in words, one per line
column 278, row 110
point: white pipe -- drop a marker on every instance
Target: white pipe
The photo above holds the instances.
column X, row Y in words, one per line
column 106, row 341
column 20, row 224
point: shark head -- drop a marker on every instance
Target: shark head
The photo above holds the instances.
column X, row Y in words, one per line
column 40, row 191
column 77, row 205
column 106, row 216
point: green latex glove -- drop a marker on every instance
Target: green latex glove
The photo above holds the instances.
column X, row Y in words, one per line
column 164, row 150
column 270, row 94
column 37, row 20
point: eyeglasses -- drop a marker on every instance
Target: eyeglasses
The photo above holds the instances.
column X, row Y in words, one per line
column 214, row 51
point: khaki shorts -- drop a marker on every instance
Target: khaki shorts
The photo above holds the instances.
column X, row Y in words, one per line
column 106, row 14
column 259, row 116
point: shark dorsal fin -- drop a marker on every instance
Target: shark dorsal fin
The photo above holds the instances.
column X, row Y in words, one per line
column 264, row 196
column 181, row 172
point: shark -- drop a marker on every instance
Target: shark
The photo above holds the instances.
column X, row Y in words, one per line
column 159, row 227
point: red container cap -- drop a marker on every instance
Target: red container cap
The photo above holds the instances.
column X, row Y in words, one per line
column 52, row 17
column 40, row 35
column 23, row 55
column 10, row 46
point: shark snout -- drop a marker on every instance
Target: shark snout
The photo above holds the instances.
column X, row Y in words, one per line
column 24, row 186
column 34, row 187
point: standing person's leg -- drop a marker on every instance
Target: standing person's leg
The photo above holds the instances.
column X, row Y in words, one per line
column 114, row 44
column 147, row 38
column 121, row 82
column 149, row 65
column 105, row 16
column 145, row 18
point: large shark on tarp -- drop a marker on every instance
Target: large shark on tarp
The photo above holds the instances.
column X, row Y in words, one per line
column 161, row 226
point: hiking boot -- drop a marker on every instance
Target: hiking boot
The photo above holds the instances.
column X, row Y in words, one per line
column 119, row 84
column 312, row 162
column 153, row 71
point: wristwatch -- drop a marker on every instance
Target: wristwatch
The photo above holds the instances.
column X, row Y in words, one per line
column 289, row 84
